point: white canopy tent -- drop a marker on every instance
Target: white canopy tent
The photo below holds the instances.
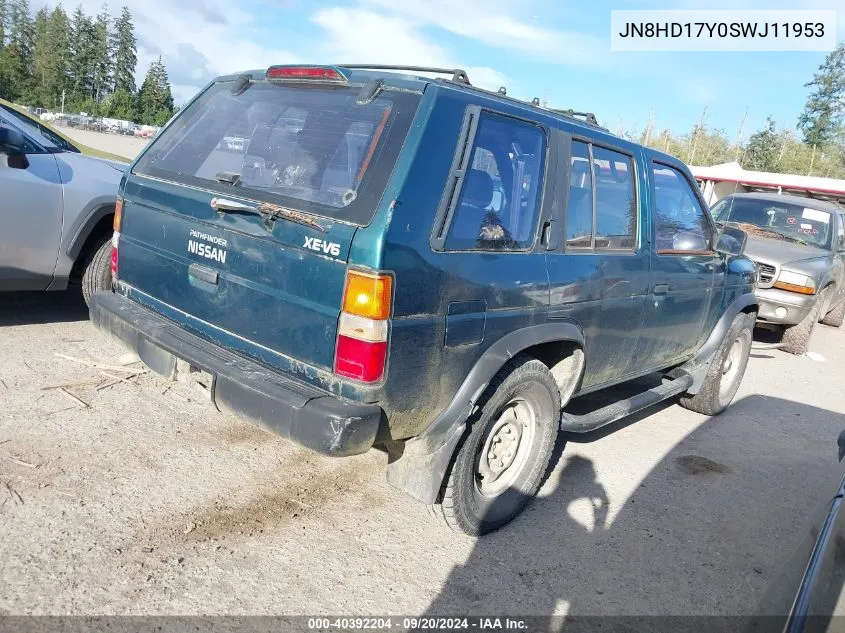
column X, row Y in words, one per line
column 719, row 181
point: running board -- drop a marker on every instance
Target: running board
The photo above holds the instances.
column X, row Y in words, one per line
column 623, row 408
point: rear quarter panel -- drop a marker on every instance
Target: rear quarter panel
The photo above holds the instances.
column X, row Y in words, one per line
column 487, row 293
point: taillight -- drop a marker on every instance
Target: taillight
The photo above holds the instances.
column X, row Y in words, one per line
column 304, row 72
column 115, row 238
column 118, row 214
column 361, row 351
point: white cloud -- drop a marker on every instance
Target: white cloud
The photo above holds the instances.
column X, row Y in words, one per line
column 501, row 24
column 357, row 35
column 197, row 40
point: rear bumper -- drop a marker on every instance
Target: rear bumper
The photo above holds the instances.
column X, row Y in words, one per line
column 783, row 307
column 295, row 410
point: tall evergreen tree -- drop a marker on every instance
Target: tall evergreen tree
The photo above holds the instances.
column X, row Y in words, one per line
column 3, row 5
column 101, row 69
column 16, row 59
column 54, row 57
column 824, row 114
column 124, row 52
column 155, row 99
column 81, row 58
column 761, row 154
column 39, row 53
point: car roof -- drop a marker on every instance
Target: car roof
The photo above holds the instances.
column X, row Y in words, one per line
column 411, row 80
column 810, row 203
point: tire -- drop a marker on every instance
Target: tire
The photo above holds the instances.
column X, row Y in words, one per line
column 96, row 275
column 835, row 317
column 726, row 369
column 796, row 338
column 522, row 392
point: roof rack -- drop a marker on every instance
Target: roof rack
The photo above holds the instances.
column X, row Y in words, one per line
column 458, row 75
column 588, row 117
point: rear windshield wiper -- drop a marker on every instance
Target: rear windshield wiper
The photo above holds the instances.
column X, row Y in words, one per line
column 268, row 212
column 228, row 177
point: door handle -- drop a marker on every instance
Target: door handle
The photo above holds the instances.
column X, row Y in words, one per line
column 547, row 235
column 661, row 289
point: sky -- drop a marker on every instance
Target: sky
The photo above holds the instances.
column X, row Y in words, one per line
column 557, row 50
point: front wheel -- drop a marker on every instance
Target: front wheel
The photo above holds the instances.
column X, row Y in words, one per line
column 835, row 317
column 796, row 338
column 499, row 465
column 726, row 369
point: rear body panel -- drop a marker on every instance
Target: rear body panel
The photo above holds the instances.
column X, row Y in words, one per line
column 267, row 286
column 271, row 290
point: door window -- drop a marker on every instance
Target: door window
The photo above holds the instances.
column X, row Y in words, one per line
column 681, row 225
column 500, row 197
column 601, row 209
column 616, row 207
column 579, row 208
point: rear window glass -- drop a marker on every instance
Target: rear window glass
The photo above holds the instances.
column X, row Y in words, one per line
column 313, row 148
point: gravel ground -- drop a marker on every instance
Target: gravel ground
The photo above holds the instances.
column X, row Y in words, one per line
column 140, row 498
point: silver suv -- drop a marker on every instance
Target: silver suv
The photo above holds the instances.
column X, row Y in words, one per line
column 57, row 210
column 798, row 245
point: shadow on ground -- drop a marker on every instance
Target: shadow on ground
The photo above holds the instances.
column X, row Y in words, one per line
column 25, row 308
column 705, row 532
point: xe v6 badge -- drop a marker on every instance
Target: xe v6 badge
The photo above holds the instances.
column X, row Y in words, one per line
column 321, row 246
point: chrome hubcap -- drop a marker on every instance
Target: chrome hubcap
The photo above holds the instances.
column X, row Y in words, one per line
column 505, row 449
column 731, row 364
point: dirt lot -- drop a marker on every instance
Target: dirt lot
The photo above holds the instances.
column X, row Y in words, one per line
column 140, row 498
column 127, row 146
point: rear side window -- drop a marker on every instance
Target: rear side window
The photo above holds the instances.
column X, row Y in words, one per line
column 579, row 209
column 679, row 217
column 602, row 205
column 310, row 147
column 616, row 209
column 499, row 201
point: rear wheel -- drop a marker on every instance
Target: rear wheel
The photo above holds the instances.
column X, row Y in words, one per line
column 96, row 275
column 500, row 464
column 835, row 317
column 796, row 338
column 726, row 370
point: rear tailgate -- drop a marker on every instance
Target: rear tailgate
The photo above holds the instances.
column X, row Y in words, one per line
column 242, row 212
column 231, row 272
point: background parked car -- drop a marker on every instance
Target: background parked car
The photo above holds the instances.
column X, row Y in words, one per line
column 55, row 136
column 58, row 209
column 799, row 247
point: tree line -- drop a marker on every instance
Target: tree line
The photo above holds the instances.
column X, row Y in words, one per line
column 79, row 62
column 815, row 148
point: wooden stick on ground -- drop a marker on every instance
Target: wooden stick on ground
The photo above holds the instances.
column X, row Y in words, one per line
column 74, row 398
column 81, row 383
column 127, row 379
column 96, row 365
column 20, row 462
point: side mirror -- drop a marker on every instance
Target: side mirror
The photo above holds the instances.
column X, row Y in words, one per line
column 13, row 144
column 11, row 141
column 690, row 241
column 731, row 241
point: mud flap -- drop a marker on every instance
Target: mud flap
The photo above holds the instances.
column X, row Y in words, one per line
column 419, row 474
